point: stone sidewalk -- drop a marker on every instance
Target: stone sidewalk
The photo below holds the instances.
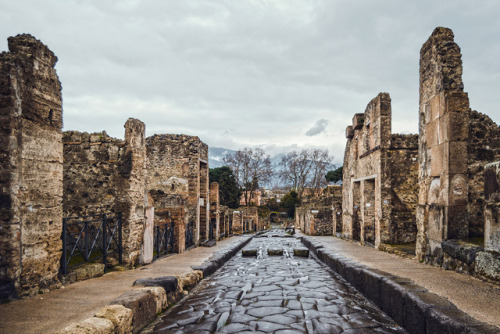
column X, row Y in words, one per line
column 477, row 298
column 57, row 309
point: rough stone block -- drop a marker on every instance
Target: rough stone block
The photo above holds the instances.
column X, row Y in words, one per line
column 274, row 251
column 160, row 297
column 189, row 281
column 349, row 132
column 357, row 121
column 460, row 250
column 439, row 160
column 455, row 127
column 488, row 264
column 89, row 270
column 432, row 133
column 119, row 315
column 142, row 303
column 393, row 291
column 90, row 326
column 168, row 283
column 248, row 252
column 457, row 157
column 301, row 252
column 208, row 268
column 437, row 107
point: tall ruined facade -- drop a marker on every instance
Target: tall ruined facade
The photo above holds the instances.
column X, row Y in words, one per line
column 31, row 168
column 178, row 165
column 455, row 144
column 104, row 175
column 321, row 215
column 378, row 204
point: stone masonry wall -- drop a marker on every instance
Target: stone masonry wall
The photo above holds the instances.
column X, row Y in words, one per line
column 176, row 166
column 103, row 175
column 318, row 215
column 31, row 169
column 403, row 172
column 90, row 173
column 366, row 188
column 444, row 130
column 483, row 148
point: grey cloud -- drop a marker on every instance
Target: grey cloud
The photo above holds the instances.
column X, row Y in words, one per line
column 318, row 128
column 247, row 66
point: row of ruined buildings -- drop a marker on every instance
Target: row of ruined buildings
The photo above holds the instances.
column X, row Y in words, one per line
column 437, row 191
column 50, row 179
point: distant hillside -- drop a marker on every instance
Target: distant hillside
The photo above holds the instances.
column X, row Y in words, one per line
column 215, row 156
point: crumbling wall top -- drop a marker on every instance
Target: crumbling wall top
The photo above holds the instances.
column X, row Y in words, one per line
column 28, row 46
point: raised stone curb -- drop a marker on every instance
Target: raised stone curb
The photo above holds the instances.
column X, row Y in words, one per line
column 220, row 257
column 119, row 315
column 413, row 307
column 143, row 305
column 133, row 310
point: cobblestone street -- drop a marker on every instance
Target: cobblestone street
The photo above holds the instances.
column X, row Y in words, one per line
column 274, row 294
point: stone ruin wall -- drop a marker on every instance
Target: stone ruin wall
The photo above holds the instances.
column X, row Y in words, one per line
column 241, row 216
column 456, row 201
column 225, row 220
column 483, row 148
column 364, row 164
column 318, row 215
column 170, row 208
column 90, row 173
column 105, row 175
column 177, row 164
column 31, row 169
column 378, row 205
column 403, row 174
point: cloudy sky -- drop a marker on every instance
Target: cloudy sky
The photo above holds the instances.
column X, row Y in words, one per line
column 277, row 74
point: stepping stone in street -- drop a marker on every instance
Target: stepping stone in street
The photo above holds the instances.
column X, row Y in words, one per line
column 248, row 252
column 275, row 251
column 302, row 252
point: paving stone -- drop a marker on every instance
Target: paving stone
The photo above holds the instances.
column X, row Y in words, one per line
column 266, row 326
column 235, row 328
column 279, row 319
column 275, row 294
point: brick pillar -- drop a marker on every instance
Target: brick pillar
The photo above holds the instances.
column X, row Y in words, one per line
column 31, row 169
column 443, row 134
column 131, row 195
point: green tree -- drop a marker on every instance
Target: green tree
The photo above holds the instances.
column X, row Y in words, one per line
column 229, row 191
column 289, row 202
column 334, row 175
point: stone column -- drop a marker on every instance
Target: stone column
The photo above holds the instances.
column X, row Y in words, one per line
column 31, row 169
column 443, row 134
column 131, row 186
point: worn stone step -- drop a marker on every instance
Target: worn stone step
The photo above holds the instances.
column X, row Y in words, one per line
column 248, row 252
column 302, row 252
column 275, row 251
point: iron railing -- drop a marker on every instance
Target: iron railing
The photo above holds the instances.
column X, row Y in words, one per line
column 163, row 239
column 90, row 238
column 189, row 234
